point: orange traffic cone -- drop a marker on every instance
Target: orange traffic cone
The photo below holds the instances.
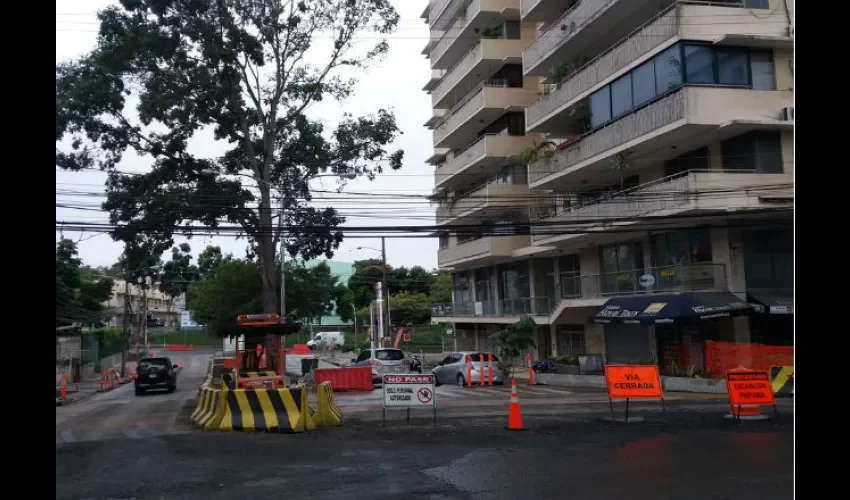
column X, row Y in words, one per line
column 180, row 363
column 514, row 414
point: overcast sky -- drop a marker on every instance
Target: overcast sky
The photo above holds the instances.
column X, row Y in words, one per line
column 395, row 82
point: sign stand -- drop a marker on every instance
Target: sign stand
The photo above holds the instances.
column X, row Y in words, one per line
column 630, row 382
column 409, row 391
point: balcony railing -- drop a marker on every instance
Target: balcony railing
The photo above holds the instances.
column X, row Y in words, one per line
column 574, row 19
column 655, row 32
column 656, row 280
column 473, row 199
column 456, row 72
column 662, row 112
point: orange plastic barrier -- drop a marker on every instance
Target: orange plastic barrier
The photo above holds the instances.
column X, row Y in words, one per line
column 302, row 349
column 181, row 347
column 633, row 382
column 345, row 379
column 721, row 357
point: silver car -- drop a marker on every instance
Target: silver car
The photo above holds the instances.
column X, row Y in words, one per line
column 456, row 367
column 383, row 362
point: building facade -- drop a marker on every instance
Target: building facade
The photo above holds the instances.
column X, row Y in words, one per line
column 163, row 311
column 633, row 163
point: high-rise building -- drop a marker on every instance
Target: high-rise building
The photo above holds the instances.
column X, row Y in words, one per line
column 619, row 170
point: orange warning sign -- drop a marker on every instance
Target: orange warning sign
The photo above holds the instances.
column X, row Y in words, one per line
column 749, row 387
column 633, row 382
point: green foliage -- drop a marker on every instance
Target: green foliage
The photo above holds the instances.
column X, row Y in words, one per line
column 441, row 289
column 235, row 289
column 313, row 292
column 620, row 163
column 209, row 260
column 514, row 340
column 566, row 360
column 178, row 272
column 536, row 152
column 247, row 72
column 78, row 299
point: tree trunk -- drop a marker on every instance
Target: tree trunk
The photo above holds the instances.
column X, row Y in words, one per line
column 268, row 270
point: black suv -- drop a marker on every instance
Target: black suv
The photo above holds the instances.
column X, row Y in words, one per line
column 155, row 373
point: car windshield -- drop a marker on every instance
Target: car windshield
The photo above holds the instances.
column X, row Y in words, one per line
column 389, row 355
column 148, row 363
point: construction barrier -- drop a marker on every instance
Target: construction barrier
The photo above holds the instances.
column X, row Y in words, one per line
column 302, row 350
column 265, row 410
column 345, row 379
column 327, row 412
column 208, row 413
column 720, row 357
column 181, row 347
column 267, row 373
column 782, row 380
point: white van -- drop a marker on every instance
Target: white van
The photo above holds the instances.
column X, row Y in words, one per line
column 327, row 338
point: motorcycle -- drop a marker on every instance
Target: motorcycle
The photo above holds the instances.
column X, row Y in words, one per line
column 415, row 364
column 545, row 366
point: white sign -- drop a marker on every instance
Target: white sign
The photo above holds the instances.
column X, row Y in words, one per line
column 409, row 391
column 647, row 280
column 186, row 320
column 479, row 309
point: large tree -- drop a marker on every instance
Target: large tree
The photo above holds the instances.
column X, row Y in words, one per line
column 178, row 272
column 79, row 296
column 313, row 292
column 247, row 71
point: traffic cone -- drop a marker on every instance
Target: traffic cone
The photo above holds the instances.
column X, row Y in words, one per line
column 514, row 414
column 180, row 363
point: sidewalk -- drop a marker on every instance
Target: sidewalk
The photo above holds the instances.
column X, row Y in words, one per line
column 670, row 384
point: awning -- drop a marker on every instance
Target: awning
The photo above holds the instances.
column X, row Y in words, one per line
column 772, row 301
column 670, row 308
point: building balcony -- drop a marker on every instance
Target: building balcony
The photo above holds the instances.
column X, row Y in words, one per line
column 684, row 119
column 569, row 291
column 436, row 76
column 441, row 12
column 464, row 32
column 480, row 251
column 706, row 191
column 482, row 106
column 483, row 158
column 488, row 201
column 483, row 60
column 544, row 11
column 675, row 23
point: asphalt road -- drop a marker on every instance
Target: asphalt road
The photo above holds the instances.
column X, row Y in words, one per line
column 688, row 452
column 120, row 414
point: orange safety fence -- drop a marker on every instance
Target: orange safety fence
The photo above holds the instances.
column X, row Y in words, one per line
column 720, row 357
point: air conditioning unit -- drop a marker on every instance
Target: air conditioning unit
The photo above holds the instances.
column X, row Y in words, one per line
column 788, row 114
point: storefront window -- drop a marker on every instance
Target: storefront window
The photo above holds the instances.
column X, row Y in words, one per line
column 569, row 276
column 515, row 288
column 672, row 251
column 571, row 340
column 622, row 265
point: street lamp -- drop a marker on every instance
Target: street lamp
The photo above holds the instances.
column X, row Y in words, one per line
column 383, row 251
column 349, row 176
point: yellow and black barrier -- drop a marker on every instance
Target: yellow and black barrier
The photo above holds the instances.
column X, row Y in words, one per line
column 327, row 412
column 266, row 410
column 782, row 380
column 208, row 413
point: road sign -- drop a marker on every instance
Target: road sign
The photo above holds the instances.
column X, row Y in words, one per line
column 749, row 387
column 633, row 382
column 409, row 391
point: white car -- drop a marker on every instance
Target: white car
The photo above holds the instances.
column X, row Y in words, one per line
column 326, row 338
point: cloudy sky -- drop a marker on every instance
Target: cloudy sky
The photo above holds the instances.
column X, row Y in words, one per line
column 395, row 82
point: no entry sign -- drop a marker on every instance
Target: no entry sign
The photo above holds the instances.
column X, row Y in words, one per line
column 409, row 391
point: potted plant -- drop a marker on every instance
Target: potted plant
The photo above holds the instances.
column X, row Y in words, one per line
column 566, row 364
column 536, row 152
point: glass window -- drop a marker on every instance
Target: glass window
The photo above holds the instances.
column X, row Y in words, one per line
column 697, row 159
column 621, row 266
column 699, row 64
column 769, row 259
column 732, row 66
column 768, row 152
column 569, row 279
column 600, row 106
column 621, row 96
column 756, row 4
column 389, row 355
column 737, row 153
column 668, row 70
column 643, row 83
column 759, row 151
column 763, row 71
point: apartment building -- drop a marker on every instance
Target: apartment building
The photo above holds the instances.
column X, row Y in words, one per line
column 640, row 156
column 163, row 311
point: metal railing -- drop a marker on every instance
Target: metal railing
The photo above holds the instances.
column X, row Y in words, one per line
column 456, row 72
column 574, row 19
column 662, row 27
column 657, row 114
column 655, row 280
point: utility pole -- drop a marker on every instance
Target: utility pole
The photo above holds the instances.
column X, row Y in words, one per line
column 126, row 325
column 372, row 331
column 354, row 311
column 386, row 287
column 380, row 315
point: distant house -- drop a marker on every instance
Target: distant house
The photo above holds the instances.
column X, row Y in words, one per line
column 343, row 271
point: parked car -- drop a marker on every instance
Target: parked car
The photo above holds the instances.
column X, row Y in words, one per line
column 454, row 369
column 383, row 361
column 155, row 373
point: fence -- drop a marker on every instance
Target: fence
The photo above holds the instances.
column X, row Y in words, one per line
column 721, row 357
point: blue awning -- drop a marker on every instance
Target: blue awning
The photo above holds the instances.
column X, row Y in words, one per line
column 670, row 308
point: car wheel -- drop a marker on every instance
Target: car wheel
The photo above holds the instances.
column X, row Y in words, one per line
column 436, row 380
column 172, row 389
column 139, row 392
column 461, row 381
